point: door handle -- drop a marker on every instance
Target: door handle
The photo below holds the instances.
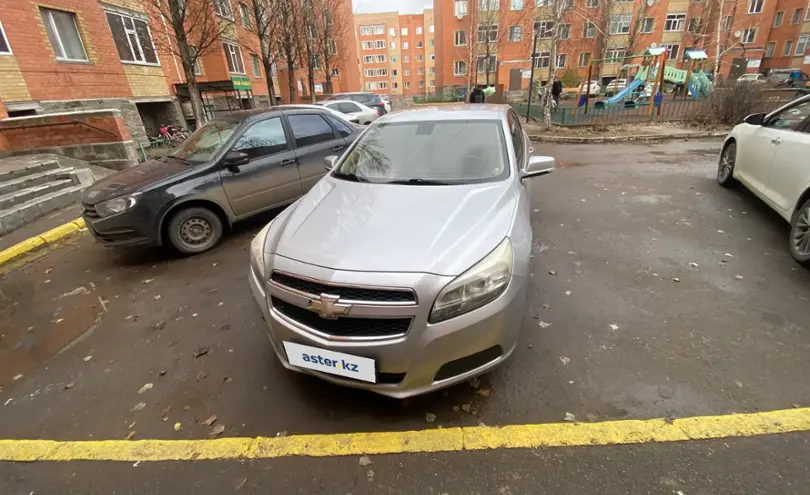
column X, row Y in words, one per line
column 289, row 161
column 338, row 148
column 776, row 141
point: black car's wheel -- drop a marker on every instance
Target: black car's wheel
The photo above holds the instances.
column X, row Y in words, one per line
column 800, row 234
column 194, row 230
column 725, row 166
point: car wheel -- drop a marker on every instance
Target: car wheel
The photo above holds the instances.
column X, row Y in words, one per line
column 195, row 230
column 800, row 234
column 725, row 166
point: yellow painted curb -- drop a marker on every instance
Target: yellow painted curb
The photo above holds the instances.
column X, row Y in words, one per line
column 41, row 240
column 406, row 442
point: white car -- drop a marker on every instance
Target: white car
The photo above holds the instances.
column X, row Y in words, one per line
column 594, row 89
column 768, row 155
column 353, row 111
column 751, row 78
column 615, row 86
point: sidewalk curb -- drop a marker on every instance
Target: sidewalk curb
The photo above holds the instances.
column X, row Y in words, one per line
column 42, row 240
column 623, row 139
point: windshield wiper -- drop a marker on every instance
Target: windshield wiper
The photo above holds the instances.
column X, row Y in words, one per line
column 350, row 177
column 420, row 182
column 187, row 162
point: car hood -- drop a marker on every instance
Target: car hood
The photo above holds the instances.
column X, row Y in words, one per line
column 397, row 228
column 133, row 179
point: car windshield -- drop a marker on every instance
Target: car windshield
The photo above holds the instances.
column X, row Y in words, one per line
column 780, row 76
column 205, row 142
column 428, row 153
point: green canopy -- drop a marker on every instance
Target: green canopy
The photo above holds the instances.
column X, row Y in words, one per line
column 696, row 55
column 654, row 51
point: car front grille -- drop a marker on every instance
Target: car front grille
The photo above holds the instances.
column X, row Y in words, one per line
column 343, row 326
column 90, row 211
column 346, row 293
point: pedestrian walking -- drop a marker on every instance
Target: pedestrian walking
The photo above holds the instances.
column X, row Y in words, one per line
column 477, row 95
column 556, row 91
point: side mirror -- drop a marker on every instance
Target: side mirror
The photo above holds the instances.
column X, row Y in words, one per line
column 329, row 162
column 755, row 119
column 538, row 165
column 235, row 158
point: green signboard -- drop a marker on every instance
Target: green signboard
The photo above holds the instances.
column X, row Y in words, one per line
column 241, row 82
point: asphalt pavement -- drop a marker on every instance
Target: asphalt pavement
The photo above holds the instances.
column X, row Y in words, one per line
column 655, row 294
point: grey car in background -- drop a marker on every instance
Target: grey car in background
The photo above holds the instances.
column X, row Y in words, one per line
column 405, row 269
column 231, row 168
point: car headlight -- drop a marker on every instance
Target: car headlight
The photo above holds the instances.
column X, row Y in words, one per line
column 117, row 205
column 257, row 251
column 479, row 285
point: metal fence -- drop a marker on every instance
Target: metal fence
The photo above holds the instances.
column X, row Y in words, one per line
column 421, row 100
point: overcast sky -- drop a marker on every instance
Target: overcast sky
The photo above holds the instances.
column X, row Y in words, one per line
column 403, row 6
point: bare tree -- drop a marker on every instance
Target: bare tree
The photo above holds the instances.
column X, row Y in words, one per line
column 309, row 57
column 192, row 31
column 288, row 44
column 267, row 28
column 551, row 36
column 333, row 23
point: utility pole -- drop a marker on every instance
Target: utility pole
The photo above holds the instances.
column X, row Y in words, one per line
column 531, row 76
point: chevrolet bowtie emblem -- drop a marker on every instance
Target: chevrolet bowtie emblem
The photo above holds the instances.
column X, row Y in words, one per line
column 328, row 306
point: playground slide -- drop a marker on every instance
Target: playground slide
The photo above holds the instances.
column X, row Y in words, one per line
column 621, row 95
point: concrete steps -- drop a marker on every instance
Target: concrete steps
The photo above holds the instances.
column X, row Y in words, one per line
column 31, row 190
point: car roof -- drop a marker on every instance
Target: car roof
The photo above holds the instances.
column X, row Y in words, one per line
column 257, row 113
column 448, row 112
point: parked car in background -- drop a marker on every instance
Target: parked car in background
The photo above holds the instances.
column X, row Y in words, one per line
column 371, row 100
column 615, row 86
column 787, row 78
column 353, row 111
column 231, row 168
column 594, row 90
column 751, row 79
column 405, row 270
column 768, row 155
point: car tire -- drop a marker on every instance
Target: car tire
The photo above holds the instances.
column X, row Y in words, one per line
column 800, row 234
column 194, row 230
column 725, row 165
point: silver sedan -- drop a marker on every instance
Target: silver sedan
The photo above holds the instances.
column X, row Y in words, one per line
column 405, row 269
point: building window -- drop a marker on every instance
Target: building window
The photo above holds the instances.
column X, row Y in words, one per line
column 421, row 83
column 233, row 54
column 797, row 16
column 801, row 45
column 407, row 85
column 515, row 4
column 430, row 42
column 393, row 58
column 459, row 68
column 672, row 50
column 515, row 33
column 542, row 61
column 487, row 33
column 777, row 19
column 727, row 21
column 420, row 58
column 393, row 45
column 368, row 59
column 223, row 8
column 592, row 4
column 63, row 33
column 395, row 85
column 379, row 44
column 584, row 59
column 620, row 24
column 614, row 54
column 487, row 5
column 376, row 72
column 487, row 63
column 404, row 31
column 755, row 7
column 244, row 13
column 331, row 47
column 380, row 59
column 419, row 44
column 674, row 22
column 378, row 29
column 544, row 28
column 807, row 15
column 431, row 28
column 748, row 35
column 335, row 72
column 769, row 48
column 589, row 30
column 5, row 47
column 406, row 72
column 392, row 32
column 420, row 71
column 405, row 58
column 460, row 38
column 694, row 23
column 418, row 29
column 365, row 30
column 460, row 8
column 372, row 85
column 648, row 24
column 254, row 62
column 564, row 31
column 432, row 56
column 132, row 39
column 404, row 45
column 197, row 68
column 432, row 70
column 561, row 60
column 393, row 73
column 788, row 48
column 432, row 83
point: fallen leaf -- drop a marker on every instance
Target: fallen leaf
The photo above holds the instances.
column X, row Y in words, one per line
column 543, row 324
column 739, row 277
column 570, row 417
column 194, row 315
column 238, row 484
column 430, row 417
column 87, row 358
column 466, row 408
column 568, row 293
column 693, row 264
column 676, row 279
column 75, row 292
column 365, row 461
column 210, row 421
column 475, row 382
column 552, row 272
column 546, row 306
column 149, row 281
column 227, row 379
column 17, row 377
column 202, row 351
column 456, row 409
column 565, row 360
column 592, row 417
column 157, row 297
column 48, row 270
column 130, row 435
column 483, row 392
column 70, row 385
column 614, row 326
column 158, row 326
column 217, row 430
column 146, row 388
column 177, row 426
column 132, row 425
column 728, row 255
column 281, row 434
column 201, row 375
column 139, row 406
column 59, row 320
column 370, row 475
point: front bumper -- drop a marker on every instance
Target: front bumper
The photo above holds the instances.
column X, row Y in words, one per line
column 428, row 357
column 134, row 227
